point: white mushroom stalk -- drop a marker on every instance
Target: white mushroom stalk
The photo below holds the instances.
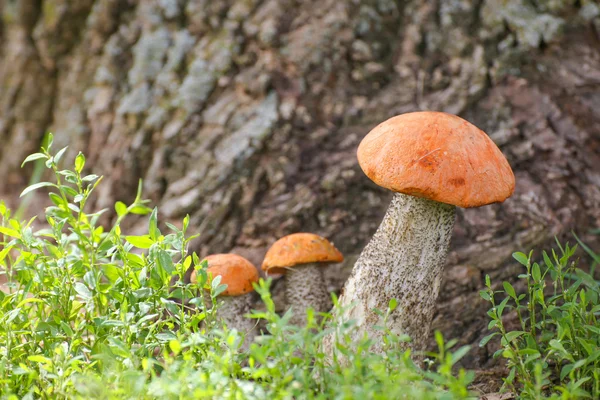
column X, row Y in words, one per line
column 305, row 287
column 232, row 311
column 434, row 162
column 404, row 260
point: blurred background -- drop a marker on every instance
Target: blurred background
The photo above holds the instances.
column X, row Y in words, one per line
column 246, row 114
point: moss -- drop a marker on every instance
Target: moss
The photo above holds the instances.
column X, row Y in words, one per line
column 9, row 13
column 531, row 27
column 50, row 14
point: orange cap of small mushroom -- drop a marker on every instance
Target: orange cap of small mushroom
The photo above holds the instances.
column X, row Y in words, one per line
column 236, row 272
column 299, row 248
column 437, row 156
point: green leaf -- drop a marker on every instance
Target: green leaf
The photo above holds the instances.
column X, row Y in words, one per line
column 36, row 186
column 79, row 162
column 165, row 261
column 10, row 232
column 4, row 253
column 56, row 199
column 393, row 304
column 39, row 359
column 140, row 210
column 82, row 290
column 120, row 208
column 60, row 153
column 68, row 190
column 175, row 346
column 33, row 157
column 595, row 257
column 535, row 272
column 166, row 336
column 510, row 336
column 49, row 139
column 485, row 295
column 508, row 288
column 556, row 345
column 460, row 353
column 141, row 242
column 547, row 260
column 486, row 339
column 511, row 375
column 565, row 371
column 521, row 258
column 587, row 279
column 218, row 290
column 119, row 348
column 90, row 279
column 89, row 178
column 112, row 272
column 501, row 306
column 187, row 262
column 153, row 225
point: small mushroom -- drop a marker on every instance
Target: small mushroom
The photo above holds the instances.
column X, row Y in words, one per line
column 433, row 161
column 237, row 300
column 300, row 257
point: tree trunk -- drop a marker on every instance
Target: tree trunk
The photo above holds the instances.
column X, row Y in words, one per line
column 246, row 114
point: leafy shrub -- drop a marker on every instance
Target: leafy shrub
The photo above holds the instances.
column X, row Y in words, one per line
column 556, row 353
column 88, row 312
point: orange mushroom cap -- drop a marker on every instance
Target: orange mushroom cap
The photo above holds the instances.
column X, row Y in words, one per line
column 299, row 248
column 236, row 272
column 437, row 156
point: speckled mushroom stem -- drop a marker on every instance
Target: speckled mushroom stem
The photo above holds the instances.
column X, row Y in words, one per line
column 403, row 260
column 305, row 287
column 232, row 310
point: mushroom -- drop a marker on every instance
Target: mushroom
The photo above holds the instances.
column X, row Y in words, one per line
column 433, row 161
column 301, row 256
column 237, row 300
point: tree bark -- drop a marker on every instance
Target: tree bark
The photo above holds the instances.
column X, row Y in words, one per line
column 246, row 114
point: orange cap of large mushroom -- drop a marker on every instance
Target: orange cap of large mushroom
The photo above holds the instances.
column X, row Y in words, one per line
column 236, row 272
column 299, row 248
column 438, row 156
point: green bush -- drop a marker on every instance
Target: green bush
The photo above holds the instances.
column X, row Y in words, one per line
column 556, row 352
column 89, row 313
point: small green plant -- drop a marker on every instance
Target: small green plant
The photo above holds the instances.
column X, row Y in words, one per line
column 556, row 351
column 91, row 312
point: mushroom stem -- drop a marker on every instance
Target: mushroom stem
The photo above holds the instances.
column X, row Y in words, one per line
column 231, row 309
column 403, row 260
column 305, row 287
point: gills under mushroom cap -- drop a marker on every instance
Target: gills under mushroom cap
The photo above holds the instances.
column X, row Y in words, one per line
column 437, row 156
column 299, row 248
column 236, row 272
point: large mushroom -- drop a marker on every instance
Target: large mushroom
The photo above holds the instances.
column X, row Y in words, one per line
column 237, row 300
column 434, row 162
column 301, row 257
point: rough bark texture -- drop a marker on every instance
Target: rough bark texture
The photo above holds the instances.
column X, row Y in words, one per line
column 246, row 114
column 305, row 287
column 404, row 260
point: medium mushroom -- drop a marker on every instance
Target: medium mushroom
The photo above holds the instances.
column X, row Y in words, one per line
column 237, row 300
column 434, row 162
column 301, row 257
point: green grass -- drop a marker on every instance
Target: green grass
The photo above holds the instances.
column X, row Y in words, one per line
column 556, row 352
column 89, row 313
